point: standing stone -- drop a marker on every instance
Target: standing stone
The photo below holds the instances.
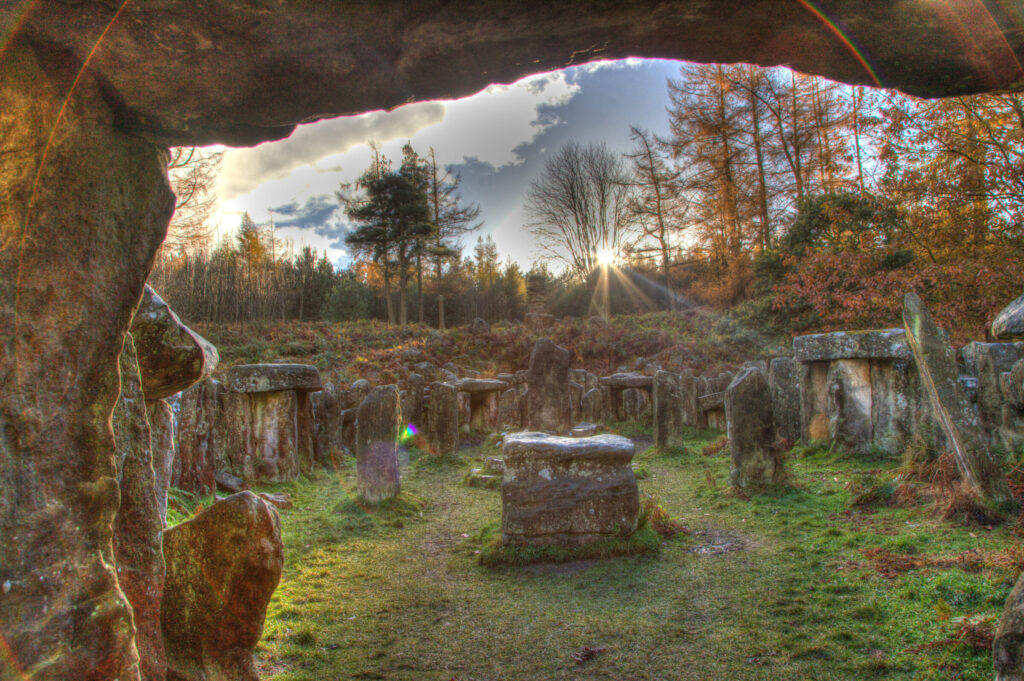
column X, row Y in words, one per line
column 751, row 427
column 1008, row 645
column 330, row 433
column 668, row 410
column 690, row 395
column 442, row 419
column 359, row 389
column 222, row 568
column 592, row 405
column 575, row 399
column 415, row 385
column 784, row 379
column 992, row 359
column 814, row 402
column 849, row 404
column 193, row 465
column 138, row 547
column 548, row 395
column 1009, row 323
column 508, row 410
column 378, row 424
column 161, row 426
column 567, row 491
column 937, row 366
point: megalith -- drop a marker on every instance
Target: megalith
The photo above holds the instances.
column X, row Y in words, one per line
column 784, row 379
column 442, row 418
column 751, row 429
column 222, row 568
column 378, row 425
column 668, row 410
column 547, row 397
column 193, row 466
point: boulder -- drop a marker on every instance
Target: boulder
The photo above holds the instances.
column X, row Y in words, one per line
column 751, row 428
column 442, row 418
column 584, row 430
column 263, row 378
column 232, row 484
column 874, row 344
column 378, row 426
column 1009, row 323
column 138, row 548
column 668, row 410
column 1008, row 645
column 567, row 491
column 193, row 466
column 784, row 379
column 938, row 371
column 548, row 394
column 222, row 568
column 172, row 357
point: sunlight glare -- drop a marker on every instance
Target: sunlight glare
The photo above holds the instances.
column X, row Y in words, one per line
column 605, row 258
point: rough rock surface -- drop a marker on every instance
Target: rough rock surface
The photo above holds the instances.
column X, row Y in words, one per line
column 784, row 379
column 256, row 436
column 848, row 383
column 443, row 418
column 415, row 384
column 690, row 395
column 193, row 465
column 668, row 410
column 937, row 367
column 262, row 378
column 567, row 491
column 138, row 547
column 875, row 344
column 1009, row 323
column 748, row 411
column 171, row 356
column 83, row 208
column 992, row 359
column 509, row 411
column 222, row 568
column 378, row 424
column 548, row 408
column 1008, row 646
column 161, row 427
column 592, row 406
column 330, row 435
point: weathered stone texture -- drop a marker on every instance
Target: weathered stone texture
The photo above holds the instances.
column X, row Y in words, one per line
column 848, row 383
column 1009, row 323
column 193, row 465
column 784, row 379
column 1008, row 646
column 668, row 410
column 222, row 568
column 138, row 547
column 748, row 409
column 262, row 378
column 509, row 412
column 171, row 356
column 161, row 426
column 991, row 360
column 592, row 406
column 875, row 344
column 567, row 491
column 378, row 424
column 442, row 418
column 256, row 436
column 548, row 394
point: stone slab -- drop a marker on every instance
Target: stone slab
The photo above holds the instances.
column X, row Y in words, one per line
column 875, row 344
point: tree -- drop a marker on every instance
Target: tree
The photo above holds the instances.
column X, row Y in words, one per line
column 578, row 207
column 193, row 173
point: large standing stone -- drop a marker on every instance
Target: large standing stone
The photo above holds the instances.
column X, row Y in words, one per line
column 567, row 491
column 1008, row 645
column 222, row 568
column 509, row 412
column 138, row 547
column 442, row 418
column 415, row 384
column 161, row 426
column 849, row 404
column 784, row 379
column 171, row 356
column 668, row 410
column 748, row 411
column 992, row 359
column 937, row 366
column 83, row 208
column 1009, row 323
column 193, row 465
column 592, row 406
column 330, row 434
column 378, row 424
column 690, row 395
column 548, row 394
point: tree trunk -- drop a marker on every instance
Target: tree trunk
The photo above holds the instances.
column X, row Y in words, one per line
column 387, row 294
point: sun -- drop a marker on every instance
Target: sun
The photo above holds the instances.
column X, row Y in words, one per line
column 605, row 257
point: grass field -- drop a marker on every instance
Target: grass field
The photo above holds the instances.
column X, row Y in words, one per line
column 796, row 583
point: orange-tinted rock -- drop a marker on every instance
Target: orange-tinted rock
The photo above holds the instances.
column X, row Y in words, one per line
column 222, row 568
column 193, row 465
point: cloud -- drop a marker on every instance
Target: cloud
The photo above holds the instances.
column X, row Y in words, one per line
column 246, row 169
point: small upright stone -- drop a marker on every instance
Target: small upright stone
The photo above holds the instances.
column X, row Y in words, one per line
column 222, row 568
column 592, row 405
column 193, row 465
column 668, row 410
column 751, row 427
column 784, row 379
column 378, row 423
column 567, row 491
column 509, row 411
column 442, row 418
column 936, row 364
column 548, row 394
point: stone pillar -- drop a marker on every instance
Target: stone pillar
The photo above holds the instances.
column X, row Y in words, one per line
column 849, row 405
column 748, row 413
column 378, row 425
column 548, row 394
column 784, row 379
column 668, row 410
column 689, row 390
column 508, row 410
column 442, row 419
column 83, row 209
column 161, row 426
column 193, row 463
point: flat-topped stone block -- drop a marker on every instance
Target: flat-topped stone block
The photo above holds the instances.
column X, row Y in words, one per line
column 567, row 491
column 875, row 344
column 630, row 379
column 711, row 401
column 265, row 378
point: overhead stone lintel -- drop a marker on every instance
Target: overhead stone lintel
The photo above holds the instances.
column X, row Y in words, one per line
column 872, row 344
column 628, row 380
column 263, row 378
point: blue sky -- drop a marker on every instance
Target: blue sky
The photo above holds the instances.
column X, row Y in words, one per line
column 498, row 140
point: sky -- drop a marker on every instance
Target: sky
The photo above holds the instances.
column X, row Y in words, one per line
column 497, row 140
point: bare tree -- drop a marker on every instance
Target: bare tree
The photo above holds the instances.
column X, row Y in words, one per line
column 578, row 207
column 193, row 173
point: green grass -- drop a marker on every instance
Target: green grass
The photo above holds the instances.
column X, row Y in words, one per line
column 777, row 586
